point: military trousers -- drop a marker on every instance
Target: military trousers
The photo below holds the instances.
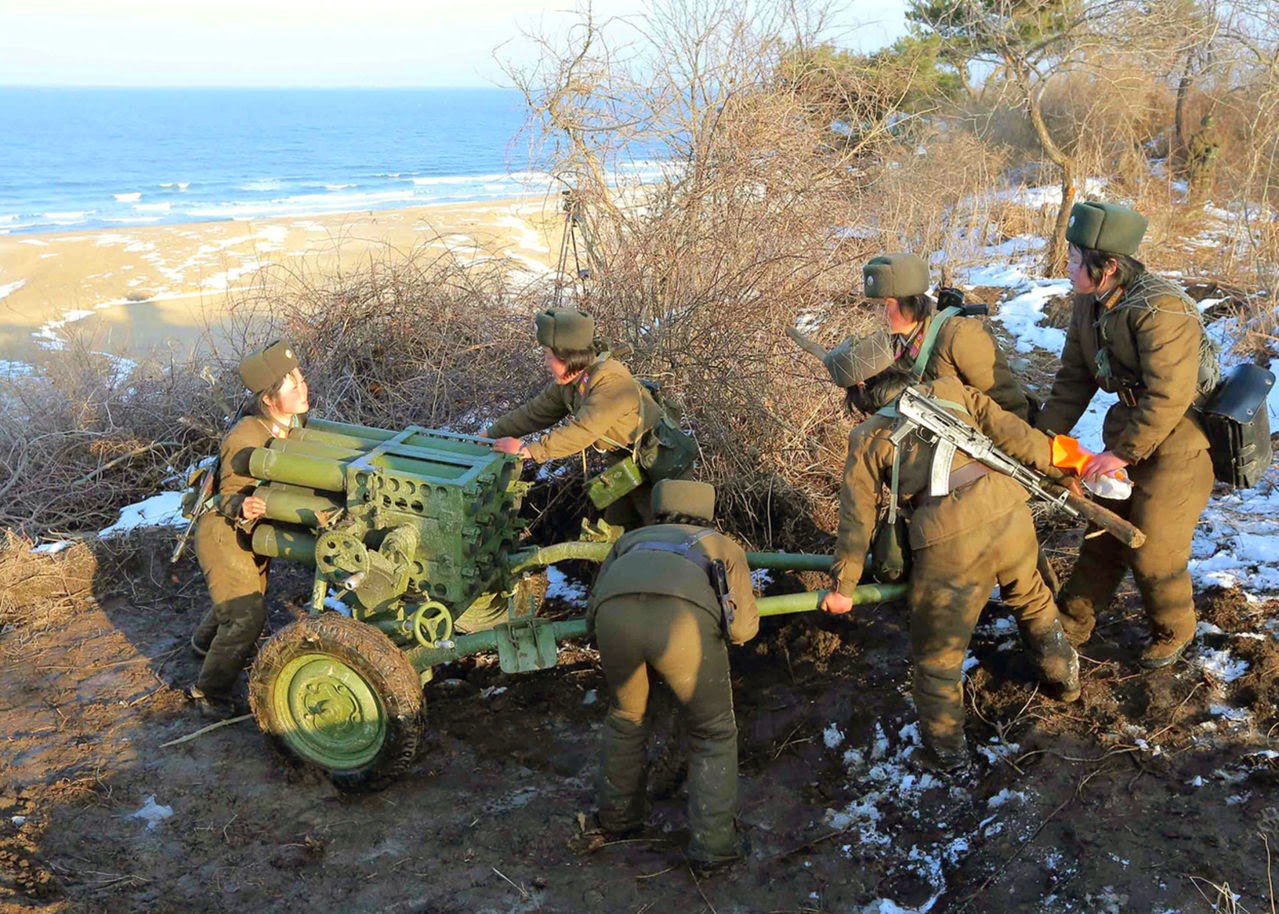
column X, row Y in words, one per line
column 236, row 578
column 1169, row 493
column 681, row 642
column 950, row 583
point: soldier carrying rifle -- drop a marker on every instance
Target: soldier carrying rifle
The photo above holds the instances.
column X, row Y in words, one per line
column 970, row 529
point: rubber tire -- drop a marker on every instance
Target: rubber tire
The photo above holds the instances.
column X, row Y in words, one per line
column 383, row 667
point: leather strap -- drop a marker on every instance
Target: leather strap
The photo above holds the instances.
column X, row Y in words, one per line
column 967, row 474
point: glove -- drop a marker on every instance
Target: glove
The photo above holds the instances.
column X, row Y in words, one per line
column 1069, row 454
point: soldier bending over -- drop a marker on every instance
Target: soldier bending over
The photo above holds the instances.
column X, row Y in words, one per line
column 655, row 609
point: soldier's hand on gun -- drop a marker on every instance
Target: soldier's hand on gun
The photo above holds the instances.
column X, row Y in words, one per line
column 510, row 445
column 835, row 602
column 252, row 507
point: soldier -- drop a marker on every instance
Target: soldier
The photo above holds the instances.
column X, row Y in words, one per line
column 656, row 607
column 236, row 576
column 594, row 398
column 933, row 345
column 1201, row 159
column 1140, row 336
column 965, row 542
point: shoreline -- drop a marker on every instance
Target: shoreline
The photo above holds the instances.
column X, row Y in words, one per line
column 136, row 291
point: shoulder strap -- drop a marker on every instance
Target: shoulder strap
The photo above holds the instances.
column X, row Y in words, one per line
column 685, row 549
column 926, row 347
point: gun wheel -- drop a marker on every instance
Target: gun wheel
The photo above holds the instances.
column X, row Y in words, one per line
column 339, row 695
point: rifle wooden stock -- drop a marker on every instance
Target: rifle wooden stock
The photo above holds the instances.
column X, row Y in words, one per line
column 1099, row 517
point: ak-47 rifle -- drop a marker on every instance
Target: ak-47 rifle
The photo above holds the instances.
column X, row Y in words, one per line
column 952, row 433
column 202, row 482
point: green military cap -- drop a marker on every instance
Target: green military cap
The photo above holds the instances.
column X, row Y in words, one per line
column 261, row 370
column 1105, row 227
column 853, row 360
column 683, row 496
column 895, row 276
column 564, row 329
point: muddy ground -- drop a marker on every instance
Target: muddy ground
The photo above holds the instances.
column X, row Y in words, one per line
column 1155, row 793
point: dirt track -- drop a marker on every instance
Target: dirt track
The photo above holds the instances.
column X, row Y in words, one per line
column 1145, row 796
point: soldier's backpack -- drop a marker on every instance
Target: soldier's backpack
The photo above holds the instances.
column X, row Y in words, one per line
column 1234, row 415
column 1237, row 423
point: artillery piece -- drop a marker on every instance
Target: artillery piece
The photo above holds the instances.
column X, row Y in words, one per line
column 413, row 539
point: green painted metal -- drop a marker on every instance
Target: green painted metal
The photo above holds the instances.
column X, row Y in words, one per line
column 529, row 644
column 421, row 437
column 296, row 470
column 299, row 506
column 284, row 543
column 331, row 715
column 413, row 527
column 789, row 561
column 423, row 658
column 434, row 520
column 811, row 600
column 539, row 556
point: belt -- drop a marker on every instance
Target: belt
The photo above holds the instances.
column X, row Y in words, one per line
column 960, row 478
column 967, row 475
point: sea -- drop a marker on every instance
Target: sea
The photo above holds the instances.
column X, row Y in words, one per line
column 92, row 158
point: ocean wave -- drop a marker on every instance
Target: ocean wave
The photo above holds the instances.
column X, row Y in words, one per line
column 263, row 184
column 133, row 197
column 153, row 207
column 70, row 217
column 462, row 179
column 180, row 185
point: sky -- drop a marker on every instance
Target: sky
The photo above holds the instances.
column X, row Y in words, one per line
column 309, row 43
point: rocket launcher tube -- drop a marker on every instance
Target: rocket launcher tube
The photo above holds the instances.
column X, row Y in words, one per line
column 293, row 507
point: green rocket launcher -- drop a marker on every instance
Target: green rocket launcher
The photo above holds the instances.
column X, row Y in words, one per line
column 413, row 537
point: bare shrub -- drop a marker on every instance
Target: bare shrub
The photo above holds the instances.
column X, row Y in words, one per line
column 85, row 433
column 410, row 339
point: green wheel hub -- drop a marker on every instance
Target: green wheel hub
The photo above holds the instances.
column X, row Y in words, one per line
column 330, row 714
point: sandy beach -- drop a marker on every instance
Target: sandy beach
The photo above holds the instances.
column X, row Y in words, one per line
column 140, row 290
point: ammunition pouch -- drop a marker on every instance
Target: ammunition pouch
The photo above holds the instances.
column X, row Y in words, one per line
column 1237, row 424
column 666, row 451
column 617, row 481
column 888, row 559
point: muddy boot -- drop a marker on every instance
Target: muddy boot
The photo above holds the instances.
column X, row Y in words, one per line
column 1057, row 662
column 942, row 759
column 706, row 863
column 1077, row 620
column 213, row 707
column 1163, row 651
